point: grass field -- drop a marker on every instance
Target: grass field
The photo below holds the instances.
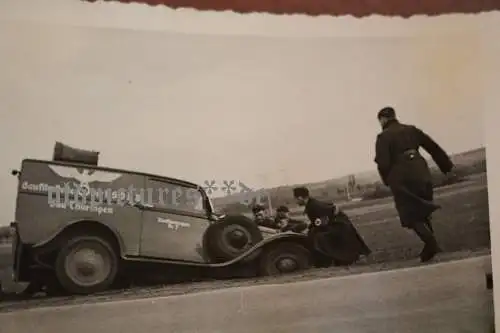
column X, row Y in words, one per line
column 466, row 163
column 461, row 224
column 356, row 207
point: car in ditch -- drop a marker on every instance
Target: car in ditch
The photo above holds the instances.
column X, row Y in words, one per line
column 78, row 224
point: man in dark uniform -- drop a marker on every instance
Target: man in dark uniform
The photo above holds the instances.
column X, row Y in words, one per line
column 406, row 172
column 331, row 232
column 285, row 223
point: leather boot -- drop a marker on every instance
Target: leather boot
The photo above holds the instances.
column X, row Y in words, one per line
column 431, row 247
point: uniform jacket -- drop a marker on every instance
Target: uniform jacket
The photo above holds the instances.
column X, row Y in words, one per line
column 336, row 238
column 405, row 171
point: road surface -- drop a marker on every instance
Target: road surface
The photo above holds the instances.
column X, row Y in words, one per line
column 449, row 297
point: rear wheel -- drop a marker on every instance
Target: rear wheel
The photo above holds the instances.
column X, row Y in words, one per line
column 284, row 258
column 86, row 265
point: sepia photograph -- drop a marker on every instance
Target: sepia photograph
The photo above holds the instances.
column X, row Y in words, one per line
column 186, row 171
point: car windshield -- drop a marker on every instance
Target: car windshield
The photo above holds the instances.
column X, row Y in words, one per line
column 195, row 201
column 210, row 204
column 200, row 201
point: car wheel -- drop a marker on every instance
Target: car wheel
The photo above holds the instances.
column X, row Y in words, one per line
column 231, row 237
column 86, row 265
column 284, row 258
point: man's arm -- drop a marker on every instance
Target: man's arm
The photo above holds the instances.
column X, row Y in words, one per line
column 382, row 158
column 437, row 153
column 297, row 226
column 268, row 223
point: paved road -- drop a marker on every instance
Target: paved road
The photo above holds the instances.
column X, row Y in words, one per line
column 449, row 297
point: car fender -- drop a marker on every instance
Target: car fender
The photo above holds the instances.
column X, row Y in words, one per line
column 255, row 250
column 46, row 241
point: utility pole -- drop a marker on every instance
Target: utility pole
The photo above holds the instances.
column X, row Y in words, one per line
column 348, row 193
column 351, row 183
column 269, row 203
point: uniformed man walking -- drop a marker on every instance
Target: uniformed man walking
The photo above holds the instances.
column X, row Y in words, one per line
column 406, row 172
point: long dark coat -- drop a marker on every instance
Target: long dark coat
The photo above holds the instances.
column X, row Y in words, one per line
column 336, row 238
column 406, row 172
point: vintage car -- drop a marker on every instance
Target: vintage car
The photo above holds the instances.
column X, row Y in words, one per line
column 77, row 224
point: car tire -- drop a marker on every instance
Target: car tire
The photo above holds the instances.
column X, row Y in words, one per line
column 79, row 275
column 284, row 258
column 231, row 237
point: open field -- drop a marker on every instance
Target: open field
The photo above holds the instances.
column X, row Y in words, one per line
column 472, row 182
column 466, row 163
column 462, row 227
column 462, row 223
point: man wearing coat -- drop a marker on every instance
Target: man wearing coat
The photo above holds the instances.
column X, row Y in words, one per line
column 406, row 172
column 331, row 233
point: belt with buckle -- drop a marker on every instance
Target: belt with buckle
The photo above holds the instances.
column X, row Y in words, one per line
column 410, row 153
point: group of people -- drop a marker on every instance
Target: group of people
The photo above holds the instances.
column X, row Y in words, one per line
column 402, row 168
column 281, row 221
column 332, row 236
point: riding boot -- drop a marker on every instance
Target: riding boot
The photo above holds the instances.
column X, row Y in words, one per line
column 431, row 247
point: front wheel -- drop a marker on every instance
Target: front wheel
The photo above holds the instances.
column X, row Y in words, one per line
column 231, row 237
column 284, row 258
column 86, row 265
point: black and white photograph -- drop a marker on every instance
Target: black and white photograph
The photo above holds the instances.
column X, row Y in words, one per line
column 182, row 171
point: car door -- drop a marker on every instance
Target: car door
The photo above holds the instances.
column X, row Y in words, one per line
column 174, row 221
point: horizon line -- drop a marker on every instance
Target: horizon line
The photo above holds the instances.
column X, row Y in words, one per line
column 333, row 178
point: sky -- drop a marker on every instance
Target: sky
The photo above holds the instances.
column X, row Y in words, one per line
column 259, row 99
